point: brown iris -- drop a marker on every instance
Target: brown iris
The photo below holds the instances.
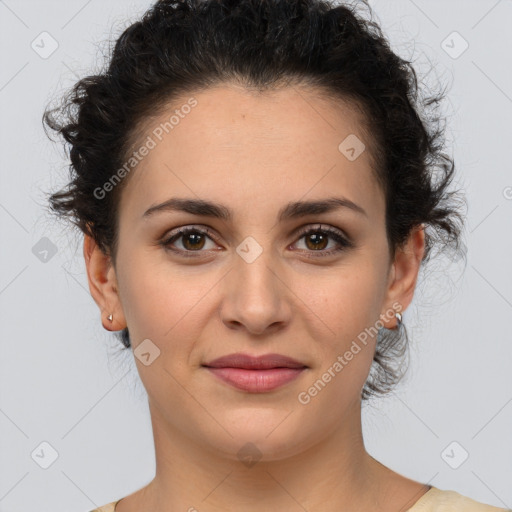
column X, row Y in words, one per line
column 318, row 240
column 197, row 238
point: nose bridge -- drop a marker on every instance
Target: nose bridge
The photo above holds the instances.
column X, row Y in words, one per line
column 255, row 266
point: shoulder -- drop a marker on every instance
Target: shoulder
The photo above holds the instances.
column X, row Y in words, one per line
column 437, row 500
column 109, row 507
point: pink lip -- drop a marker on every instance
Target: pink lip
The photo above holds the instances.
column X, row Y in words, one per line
column 256, row 374
column 248, row 362
column 257, row 381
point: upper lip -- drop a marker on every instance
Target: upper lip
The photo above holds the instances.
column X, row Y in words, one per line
column 249, row 362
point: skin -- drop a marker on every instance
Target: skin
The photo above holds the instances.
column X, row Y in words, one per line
column 254, row 153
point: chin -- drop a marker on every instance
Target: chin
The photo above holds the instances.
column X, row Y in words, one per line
column 267, row 435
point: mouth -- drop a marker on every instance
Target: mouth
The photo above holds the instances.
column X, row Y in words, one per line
column 256, row 374
column 248, row 362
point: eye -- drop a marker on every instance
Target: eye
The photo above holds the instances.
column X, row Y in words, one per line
column 193, row 240
column 316, row 240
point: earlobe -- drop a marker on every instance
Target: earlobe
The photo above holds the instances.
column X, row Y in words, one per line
column 103, row 285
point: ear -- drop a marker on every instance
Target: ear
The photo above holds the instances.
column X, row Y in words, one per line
column 404, row 272
column 103, row 285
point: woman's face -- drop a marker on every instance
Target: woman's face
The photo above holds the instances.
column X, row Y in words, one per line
column 255, row 284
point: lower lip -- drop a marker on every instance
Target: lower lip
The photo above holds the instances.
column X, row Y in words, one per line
column 257, row 381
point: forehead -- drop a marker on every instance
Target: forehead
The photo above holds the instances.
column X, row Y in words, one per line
column 249, row 149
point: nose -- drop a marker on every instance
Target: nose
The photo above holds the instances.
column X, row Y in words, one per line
column 256, row 296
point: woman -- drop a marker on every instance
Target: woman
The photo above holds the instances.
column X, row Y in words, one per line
column 258, row 190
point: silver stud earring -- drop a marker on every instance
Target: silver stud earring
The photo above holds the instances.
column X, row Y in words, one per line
column 110, row 317
column 398, row 317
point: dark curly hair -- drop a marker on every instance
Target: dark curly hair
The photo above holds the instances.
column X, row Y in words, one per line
column 181, row 46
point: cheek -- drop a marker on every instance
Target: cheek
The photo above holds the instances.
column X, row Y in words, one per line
column 346, row 300
column 159, row 303
column 346, row 352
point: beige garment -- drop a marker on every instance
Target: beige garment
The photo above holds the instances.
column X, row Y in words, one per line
column 437, row 500
column 434, row 500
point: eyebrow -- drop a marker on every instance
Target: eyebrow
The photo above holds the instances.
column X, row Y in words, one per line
column 292, row 210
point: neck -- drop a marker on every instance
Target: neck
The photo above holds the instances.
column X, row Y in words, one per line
column 333, row 471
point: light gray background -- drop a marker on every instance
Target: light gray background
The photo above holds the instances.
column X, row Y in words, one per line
column 63, row 379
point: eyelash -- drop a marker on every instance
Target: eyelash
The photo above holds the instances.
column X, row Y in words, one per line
column 333, row 233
